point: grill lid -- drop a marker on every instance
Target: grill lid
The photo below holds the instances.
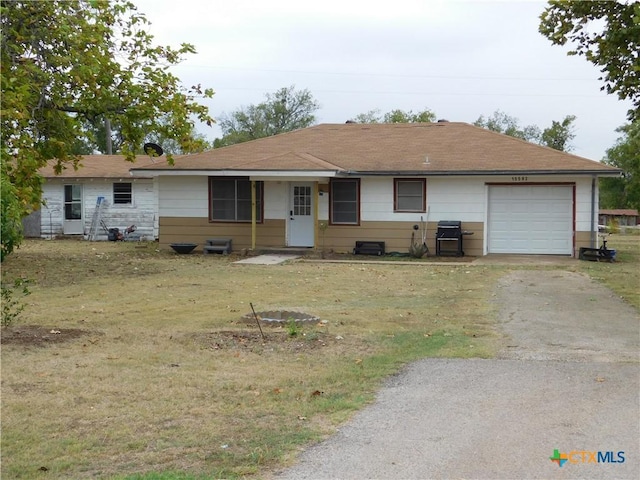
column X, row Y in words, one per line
column 450, row 224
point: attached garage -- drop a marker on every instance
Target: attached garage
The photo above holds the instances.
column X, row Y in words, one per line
column 531, row 219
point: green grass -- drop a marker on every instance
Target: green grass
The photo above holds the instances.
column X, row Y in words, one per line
column 623, row 275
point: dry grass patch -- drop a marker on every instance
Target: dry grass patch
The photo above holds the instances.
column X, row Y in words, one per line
column 623, row 275
column 164, row 376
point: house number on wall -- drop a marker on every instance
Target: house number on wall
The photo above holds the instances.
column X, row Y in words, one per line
column 519, row 179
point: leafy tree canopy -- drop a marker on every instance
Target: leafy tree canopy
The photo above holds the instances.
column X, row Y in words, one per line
column 558, row 136
column 502, row 123
column 395, row 116
column 97, row 131
column 625, row 154
column 283, row 111
column 66, row 64
column 607, row 33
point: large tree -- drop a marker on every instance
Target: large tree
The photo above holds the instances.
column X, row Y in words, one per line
column 560, row 134
column 96, row 141
column 557, row 136
column 285, row 110
column 607, row 33
column 67, row 63
column 623, row 192
column 502, row 123
column 395, row 116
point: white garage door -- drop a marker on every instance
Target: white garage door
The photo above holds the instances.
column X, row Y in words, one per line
column 531, row 219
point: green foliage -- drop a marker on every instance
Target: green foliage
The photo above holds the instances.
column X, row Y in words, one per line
column 11, row 306
column 623, row 192
column 395, row 116
column 283, row 111
column 557, row 136
column 502, row 123
column 613, row 226
column 11, row 212
column 612, row 46
column 67, row 65
column 171, row 146
column 293, row 329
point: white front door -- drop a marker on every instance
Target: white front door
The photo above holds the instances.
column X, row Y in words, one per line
column 301, row 216
column 73, row 223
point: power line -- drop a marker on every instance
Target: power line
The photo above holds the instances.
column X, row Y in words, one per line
column 389, row 75
column 406, row 92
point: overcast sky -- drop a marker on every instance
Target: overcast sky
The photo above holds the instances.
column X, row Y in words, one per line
column 459, row 59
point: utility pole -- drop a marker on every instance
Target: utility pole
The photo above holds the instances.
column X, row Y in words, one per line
column 107, row 127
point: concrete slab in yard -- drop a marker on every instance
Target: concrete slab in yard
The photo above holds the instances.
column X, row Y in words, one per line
column 273, row 259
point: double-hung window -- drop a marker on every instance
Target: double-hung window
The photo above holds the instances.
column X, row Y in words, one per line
column 409, row 195
column 231, row 199
column 345, row 201
column 122, row 193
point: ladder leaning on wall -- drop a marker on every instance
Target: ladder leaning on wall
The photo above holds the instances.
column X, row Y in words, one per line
column 97, row 217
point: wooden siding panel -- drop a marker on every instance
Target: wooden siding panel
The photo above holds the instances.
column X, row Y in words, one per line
column 141, row 213
column 52, row 210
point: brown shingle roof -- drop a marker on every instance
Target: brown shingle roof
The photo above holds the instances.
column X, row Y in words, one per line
column 429, row 148
column 100, row 166
column 619, row 211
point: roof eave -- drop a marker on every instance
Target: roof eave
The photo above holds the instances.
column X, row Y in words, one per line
column 441, row 173
column 228, row 172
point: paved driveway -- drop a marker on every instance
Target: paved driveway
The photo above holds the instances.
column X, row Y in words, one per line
column 568, row 381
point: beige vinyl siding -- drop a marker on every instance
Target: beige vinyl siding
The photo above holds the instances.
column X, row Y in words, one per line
column 271, row 233
column 338, row 238
column 397, row 236
column 583, row 239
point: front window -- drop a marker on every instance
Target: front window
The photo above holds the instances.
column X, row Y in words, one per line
column 345, row 201
column 231, row 199
column 409, row 195
column 122, row 194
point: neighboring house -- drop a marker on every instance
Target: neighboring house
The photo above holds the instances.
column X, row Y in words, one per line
column 375, row 183
column 70, row 199
column 621, row 217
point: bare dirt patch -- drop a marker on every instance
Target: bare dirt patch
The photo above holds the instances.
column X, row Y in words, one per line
column 39, row 336
column 247, row 340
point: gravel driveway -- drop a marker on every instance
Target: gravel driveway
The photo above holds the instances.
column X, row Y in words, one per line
column 568, row 380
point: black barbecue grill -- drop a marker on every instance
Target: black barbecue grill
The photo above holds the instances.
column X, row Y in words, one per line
column 449, row 238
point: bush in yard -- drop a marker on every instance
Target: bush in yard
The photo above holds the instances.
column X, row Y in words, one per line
column 12, row 307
